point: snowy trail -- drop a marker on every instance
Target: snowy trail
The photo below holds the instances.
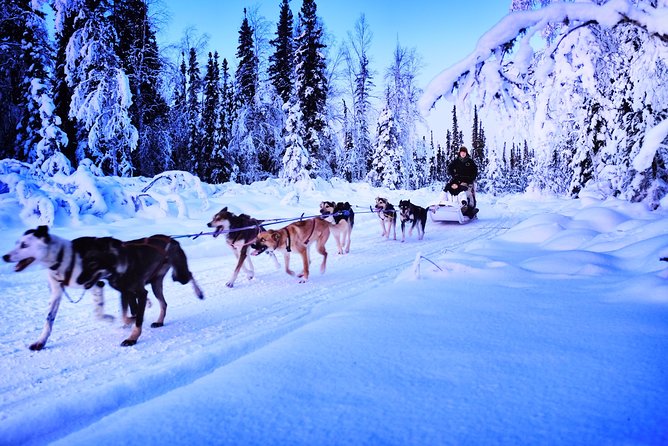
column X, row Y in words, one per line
column 198, row 337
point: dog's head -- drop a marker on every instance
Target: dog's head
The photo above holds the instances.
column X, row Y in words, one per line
column 33, row 245
column 405, row 209
column 221, row 221
column 382, row 203
column 268, row 241
column 101, row 258
column 327, row 208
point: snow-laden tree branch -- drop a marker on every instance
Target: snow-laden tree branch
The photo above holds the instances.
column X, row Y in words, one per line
column 513, row 36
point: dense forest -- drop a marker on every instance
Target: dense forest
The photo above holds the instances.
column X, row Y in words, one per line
column 93, row 87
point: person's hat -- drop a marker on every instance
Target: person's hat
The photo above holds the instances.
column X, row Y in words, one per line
column 463, row 149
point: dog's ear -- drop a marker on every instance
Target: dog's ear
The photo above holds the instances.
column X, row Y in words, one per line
column 224, row 209
column 276, row 236
column 42, row 231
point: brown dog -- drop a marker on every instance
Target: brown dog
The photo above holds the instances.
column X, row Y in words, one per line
column 296, row 237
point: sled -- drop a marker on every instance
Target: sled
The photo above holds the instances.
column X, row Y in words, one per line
column 449, row 209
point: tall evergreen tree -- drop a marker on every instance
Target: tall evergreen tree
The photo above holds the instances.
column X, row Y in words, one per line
column 247, row 69
column 311, row 79
column 211, row 112
column 101, row 99
column 39, row 135
column 386, row 166
column 194, row 113
column 457, row 141
column 281, row 62
column 296, row 157
column 178, row 120
column 138, row 52
column 12, row 74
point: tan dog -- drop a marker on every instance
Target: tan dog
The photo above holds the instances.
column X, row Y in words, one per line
column 296, row 237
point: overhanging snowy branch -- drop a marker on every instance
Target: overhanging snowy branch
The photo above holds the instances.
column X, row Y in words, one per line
column 516, row 31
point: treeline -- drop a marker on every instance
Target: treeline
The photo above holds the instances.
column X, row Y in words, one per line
column 101, row 90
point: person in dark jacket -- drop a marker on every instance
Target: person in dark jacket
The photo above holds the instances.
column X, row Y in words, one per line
column 464, row 171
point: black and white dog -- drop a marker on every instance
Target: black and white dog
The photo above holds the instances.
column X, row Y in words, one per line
column 63, row 258
column 388, row 217
column 414, row 214
column 342, row 218
column 240, row 232
column 84, row 262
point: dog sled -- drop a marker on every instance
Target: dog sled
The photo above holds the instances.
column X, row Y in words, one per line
column 452, row 208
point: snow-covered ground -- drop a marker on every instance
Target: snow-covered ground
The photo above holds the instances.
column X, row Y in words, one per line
column 545, row 321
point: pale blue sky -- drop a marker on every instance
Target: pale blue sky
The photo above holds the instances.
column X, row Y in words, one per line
column 443, row 32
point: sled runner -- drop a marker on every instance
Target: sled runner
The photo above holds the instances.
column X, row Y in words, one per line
column 451, row 208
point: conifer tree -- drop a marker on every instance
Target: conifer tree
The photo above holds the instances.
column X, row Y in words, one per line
column 39, row 135
column 296, row 157
column 178, row 120
column 247, row 69
column 66, row 12
column 281, row 62
column 101, row 98
column 386, row 165
column 12, row 74
column 210, row 117
column 311, row 79
column 194, row 113
column 138, row 52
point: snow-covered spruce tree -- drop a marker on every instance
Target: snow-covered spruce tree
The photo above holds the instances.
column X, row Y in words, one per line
column 281, row 62
column 244, row 143
column 138, row 52
column 356, row 55
column 101, row 97
column 296, row 158
column 39, row 136
column 349, row 158
column 194, row 115
column 311, row 81
column 403, row 95
column 211, row 107
column 386, row 164
column 65, row 13
column 12, row 73
column 509, row 75
column 178, row 120
column 221, row 162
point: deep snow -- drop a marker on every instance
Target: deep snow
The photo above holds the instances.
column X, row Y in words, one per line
column 545, row 321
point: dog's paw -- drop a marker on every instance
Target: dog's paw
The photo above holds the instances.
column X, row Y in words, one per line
column 106, row 317
column 128, row 343
column 230, row 284
column 37, row 346
column 157, row 324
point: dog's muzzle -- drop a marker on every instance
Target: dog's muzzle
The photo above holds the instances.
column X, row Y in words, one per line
column 258, row 248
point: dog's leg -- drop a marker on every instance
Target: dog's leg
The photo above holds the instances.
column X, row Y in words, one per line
column 241, row 257
column 382, row 225
column 157, row 286
column 393, row 226
column 337, row 238
column 403, row 231
column 56, row 295
column 286, row 259
column 140, row 296
column 305, row 261
column 322, row 240
column 348, row 233
column 98, row 300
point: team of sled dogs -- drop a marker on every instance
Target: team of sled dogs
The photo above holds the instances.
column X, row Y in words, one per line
column 128, row 266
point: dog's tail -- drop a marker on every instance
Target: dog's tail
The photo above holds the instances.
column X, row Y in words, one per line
column 179, row 263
